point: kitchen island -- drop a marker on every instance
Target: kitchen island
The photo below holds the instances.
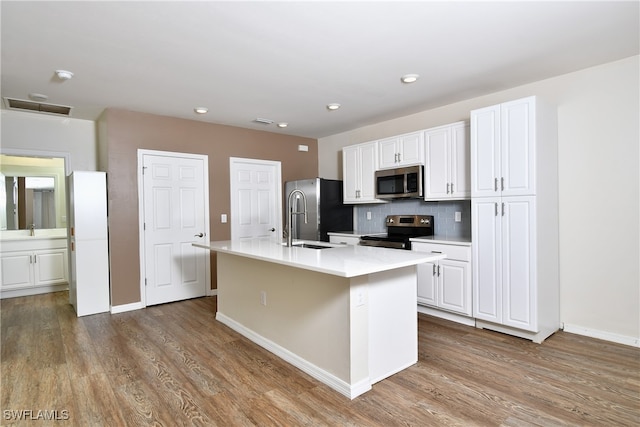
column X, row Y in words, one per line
column 346, row 315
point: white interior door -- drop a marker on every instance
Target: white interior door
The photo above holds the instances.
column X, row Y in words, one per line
column 175, row 200
column 256, row 198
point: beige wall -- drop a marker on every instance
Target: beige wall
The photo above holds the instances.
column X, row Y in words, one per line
column 122, row 133
column 598, row 137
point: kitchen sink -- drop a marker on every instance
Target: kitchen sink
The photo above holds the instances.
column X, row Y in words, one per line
column 312, row 246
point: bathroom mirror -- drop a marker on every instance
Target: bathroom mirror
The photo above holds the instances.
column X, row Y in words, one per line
column 32, row 192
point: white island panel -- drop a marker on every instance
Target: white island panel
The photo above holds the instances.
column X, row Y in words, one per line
column 310, row 308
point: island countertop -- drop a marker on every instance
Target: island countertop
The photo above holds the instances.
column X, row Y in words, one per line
column 338, row 260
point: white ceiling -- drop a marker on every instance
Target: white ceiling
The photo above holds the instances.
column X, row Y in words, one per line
column 286, row 60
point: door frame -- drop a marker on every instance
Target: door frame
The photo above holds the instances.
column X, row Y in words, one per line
column 207, row 265
column 232, row 190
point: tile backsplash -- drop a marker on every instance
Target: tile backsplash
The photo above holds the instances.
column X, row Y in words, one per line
column 443, row 215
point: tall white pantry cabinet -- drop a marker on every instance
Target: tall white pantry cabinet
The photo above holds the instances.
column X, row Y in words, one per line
column 514, row 215
column 88, row 244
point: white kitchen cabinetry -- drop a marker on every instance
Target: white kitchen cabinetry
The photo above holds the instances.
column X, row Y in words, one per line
column 359, row 163
column 343, row 239
column 403, row 150
column 447, row 160
column 504, row 244
column 503, row 149
column 31, row 266
column 445, row 284
column 88, row 246
column 515, row 237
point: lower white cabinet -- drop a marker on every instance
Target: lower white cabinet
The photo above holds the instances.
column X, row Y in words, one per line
column 32, row 264
column 446, row 284
column 344, row 239
column 515, row 271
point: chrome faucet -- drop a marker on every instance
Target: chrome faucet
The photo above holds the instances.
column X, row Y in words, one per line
column 32, row 230
column 292, row 213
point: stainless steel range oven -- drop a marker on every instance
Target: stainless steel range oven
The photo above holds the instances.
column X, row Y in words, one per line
column 401, row 228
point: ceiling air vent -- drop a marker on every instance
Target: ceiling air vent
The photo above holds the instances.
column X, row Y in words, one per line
column 263, row 121
column 37, row 107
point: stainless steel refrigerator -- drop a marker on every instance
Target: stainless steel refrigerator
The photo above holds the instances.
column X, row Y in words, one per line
column 325, row 209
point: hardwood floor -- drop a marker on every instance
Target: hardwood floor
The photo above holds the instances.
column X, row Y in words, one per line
column 174, row 364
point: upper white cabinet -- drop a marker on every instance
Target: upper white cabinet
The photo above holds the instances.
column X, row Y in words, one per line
column 514, row 218
column 447, row 162
column 359, row 163
column 401, row 150
column 503, row 139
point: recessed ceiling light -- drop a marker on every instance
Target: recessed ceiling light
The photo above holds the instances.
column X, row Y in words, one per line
column 64, row 74
column 201, row 110
column 283, row 125
column 409, row 78
column 333, row 106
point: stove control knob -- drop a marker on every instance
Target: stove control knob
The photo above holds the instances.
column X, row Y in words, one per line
column 424, row 221
column 390, row 221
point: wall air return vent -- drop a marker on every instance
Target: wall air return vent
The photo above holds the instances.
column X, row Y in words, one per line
column 37, row 107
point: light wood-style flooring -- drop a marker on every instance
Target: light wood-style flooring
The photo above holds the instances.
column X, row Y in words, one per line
column 174, row 365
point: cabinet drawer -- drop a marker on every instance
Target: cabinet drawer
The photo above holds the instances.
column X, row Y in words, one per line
column 344, row 240
column 461, row 253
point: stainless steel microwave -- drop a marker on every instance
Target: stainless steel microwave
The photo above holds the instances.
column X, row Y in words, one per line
column 401, row 183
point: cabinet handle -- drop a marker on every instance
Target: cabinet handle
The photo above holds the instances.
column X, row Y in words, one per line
column 434, row 269
column 452, row 188
column 496, row 209
column 502, row 183
column 495, row 184
column 357, row 194
column 438, row 270
column 399, row 157
column 503, row 209
column 448, row 186
column 35, row 259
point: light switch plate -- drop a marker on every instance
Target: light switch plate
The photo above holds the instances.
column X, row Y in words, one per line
column 223, row 218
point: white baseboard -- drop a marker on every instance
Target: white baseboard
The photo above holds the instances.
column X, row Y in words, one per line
column 602, row 335
column 342, row 387
column 115, row 309
column 458, row 318
column 212, row 292
column 25, row 292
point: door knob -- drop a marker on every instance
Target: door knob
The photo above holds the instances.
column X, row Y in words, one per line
column 272, row 229
column 199, row 235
